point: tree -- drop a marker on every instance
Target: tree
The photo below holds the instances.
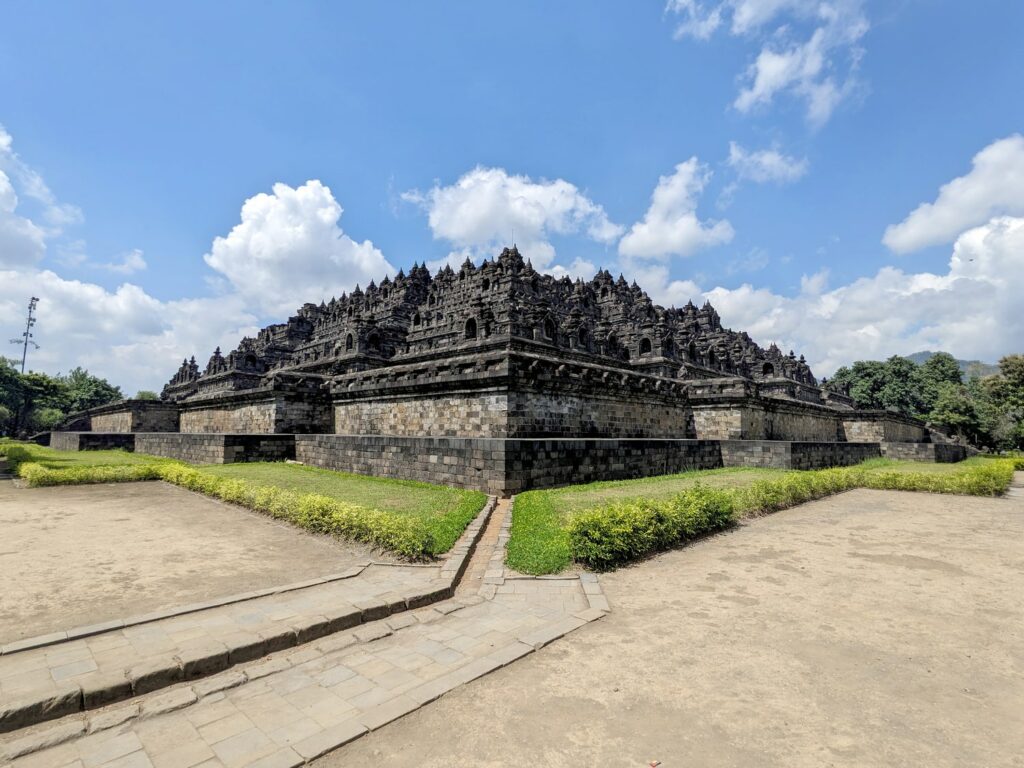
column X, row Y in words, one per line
column 941, row 368
column 955, row 410
column 146, row 394
column 11, row 392
column 87, row 391
column 877, row 385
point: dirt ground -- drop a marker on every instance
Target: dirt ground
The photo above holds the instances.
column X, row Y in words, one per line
column 77, row 555
column 870, row 629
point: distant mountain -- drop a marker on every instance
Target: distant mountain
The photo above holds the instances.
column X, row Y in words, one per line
column 968, row 368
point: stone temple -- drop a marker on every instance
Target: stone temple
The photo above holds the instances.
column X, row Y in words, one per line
column 500, row 378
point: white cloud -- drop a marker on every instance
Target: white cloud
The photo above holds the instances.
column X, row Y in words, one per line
column 671, row 227
column 22, row 243
column 972, row 310
column 697, row 21
column 131, row 262
column 487, row 208
column 125, row 335
column 994, row 186
column 56, row 215
column 765, row 165
column 288, row 249
column 817, row 68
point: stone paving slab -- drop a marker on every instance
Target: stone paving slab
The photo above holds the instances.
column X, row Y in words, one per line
column 43, row 683
column 300, row 704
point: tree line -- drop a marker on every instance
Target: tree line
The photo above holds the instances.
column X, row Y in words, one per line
column 986, row 411
column 36, row 402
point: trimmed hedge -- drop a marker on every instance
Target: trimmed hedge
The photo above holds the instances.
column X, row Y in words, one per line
column 613, row 534
column 406, row 535
column 604, row 537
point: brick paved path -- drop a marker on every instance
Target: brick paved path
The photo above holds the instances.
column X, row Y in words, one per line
column 299, row 704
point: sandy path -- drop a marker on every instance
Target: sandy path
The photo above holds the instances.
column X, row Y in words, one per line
column 871, row 629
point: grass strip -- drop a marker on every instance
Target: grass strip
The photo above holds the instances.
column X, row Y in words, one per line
column 547, row 540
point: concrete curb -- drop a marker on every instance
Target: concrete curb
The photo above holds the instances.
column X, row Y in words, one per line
column 52, row 638
column 107, row 688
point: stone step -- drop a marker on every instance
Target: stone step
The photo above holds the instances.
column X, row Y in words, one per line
column 48, row 677
column 297, row 705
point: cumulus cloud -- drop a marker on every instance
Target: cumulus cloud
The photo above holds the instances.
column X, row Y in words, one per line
column 813, row 56
column 994, row 186
column 54, row 215
column 971, row 310
column 487, row 208
column 289, row 249
column 125, row 335
column 671, row 227
column 131, row 262
column 22, row 243
column 765, row 165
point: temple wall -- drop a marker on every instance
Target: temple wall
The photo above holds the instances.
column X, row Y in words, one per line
column 748, row 420
column 480, row 414
column 938, row 452
column 135, row 416
column 249, row 418
column 263, row 417
column 864, row 428
column 216, row 448
column 461, row 462
column 154, row 417
column 785, row 454
column 112, row 422
column 92, row 441
column 558, row 414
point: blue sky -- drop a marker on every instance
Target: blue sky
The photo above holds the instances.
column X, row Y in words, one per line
column 783, row 142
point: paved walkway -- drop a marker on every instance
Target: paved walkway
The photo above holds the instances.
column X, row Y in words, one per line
column 301, row 704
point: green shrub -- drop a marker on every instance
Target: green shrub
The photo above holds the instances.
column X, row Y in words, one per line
column 405, row 535
column 547, row 541
column 604, row 537
column 37, row 475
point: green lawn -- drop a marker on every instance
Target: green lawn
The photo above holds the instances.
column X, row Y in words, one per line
column 403, row 496
column 54, row 459
column 574, row 498
column 549, row 525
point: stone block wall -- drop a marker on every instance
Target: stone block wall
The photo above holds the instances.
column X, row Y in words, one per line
column 250, row 418
column 877, row 427
column 134, row 416
column 92, row 441
column 785, row 454
column 273, row 415
column 751, row 420
column 937, row 452
column 567, row 414
column 152, row 416
column 476, row 463
column 119, row 421
column 476, row 414
column 216, row 448
column 557, row 462
column 295, row 415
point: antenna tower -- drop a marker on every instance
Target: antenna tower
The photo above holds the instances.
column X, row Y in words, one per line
column 26, row 337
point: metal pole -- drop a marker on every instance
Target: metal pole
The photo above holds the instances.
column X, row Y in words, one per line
column 26, row 338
